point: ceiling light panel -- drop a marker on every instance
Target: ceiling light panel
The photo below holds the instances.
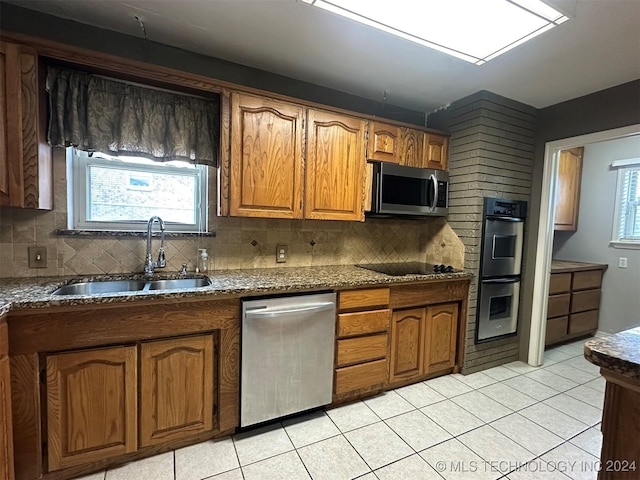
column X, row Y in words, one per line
column 473, row 30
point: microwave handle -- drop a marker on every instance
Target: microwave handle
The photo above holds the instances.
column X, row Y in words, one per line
column 434, row 180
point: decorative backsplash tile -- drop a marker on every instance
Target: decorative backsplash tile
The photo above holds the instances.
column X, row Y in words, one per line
column 239, row 242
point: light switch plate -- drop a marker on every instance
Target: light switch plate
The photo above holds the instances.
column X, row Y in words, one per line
column 622, row 262
column 37, row 257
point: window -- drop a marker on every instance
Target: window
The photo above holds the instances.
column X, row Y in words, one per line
column 626, row 226
column 110, row 193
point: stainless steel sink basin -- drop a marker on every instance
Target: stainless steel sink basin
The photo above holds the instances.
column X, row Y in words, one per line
column 108, row 286
column 179, row 283
column 123, row 286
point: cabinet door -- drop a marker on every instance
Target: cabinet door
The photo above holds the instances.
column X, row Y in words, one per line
column 435, row 151
column 411, row 147
column 335, row 173
column 407, row 346
column 177, row 387
column 384, row 142
column 6, row 432
column 25, row 156
column 91, row 405
column 568, row 189
column 9, row 127
column 266, row 158
column 441, row 327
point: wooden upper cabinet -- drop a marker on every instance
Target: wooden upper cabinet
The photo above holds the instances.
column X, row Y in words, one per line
column 335, row 171
column 407, row 346
column 441, row 328
column 6, row 427
column 568, row 189
column 177, row 388
column 384, row 142
column 5, row 60
column 411, row 147
column 91, row 405
column 436, row 151
column 266, row 157
column 25, row 156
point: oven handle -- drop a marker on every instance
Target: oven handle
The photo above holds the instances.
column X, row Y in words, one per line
column 502, row 280
column 505, row 219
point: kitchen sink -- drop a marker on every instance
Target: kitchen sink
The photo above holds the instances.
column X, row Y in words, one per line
column 104, row 286
column 123, row 286
column 179, row 283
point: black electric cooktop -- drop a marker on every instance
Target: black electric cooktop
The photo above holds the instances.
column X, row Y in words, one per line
column 409, row 268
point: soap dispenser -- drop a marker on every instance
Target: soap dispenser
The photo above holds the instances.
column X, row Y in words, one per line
column 203, row 262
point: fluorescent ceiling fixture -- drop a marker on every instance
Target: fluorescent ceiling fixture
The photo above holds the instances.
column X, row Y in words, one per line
column 473, row 30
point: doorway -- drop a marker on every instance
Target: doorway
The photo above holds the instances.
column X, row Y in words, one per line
column 544, row 246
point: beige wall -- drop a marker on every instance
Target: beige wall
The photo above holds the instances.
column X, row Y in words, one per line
column 376, row 240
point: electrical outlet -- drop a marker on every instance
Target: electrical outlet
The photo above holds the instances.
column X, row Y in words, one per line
column 37, row 257
column 622, row 262
column 281, row 254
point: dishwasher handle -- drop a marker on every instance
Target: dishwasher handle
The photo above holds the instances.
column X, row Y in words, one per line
column 265, row 312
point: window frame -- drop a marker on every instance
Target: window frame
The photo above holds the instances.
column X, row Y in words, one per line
column 622, row 166
column 78, row 165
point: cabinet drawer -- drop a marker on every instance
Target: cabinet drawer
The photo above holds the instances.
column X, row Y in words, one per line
column 558, row 305
column 359, row 323
column 556, row 329
column 371, row 297
column 359, row 376
column 361, row 349
column 585, row 300
column 583, row 322
column 559, row 283
column 588, row 279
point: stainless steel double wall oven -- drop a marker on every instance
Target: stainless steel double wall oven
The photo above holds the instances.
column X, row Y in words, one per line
column 501, row 259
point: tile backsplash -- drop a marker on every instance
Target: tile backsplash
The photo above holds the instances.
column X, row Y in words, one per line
column 239, row 242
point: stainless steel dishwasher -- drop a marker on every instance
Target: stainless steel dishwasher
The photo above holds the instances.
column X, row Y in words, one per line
column 287, row 355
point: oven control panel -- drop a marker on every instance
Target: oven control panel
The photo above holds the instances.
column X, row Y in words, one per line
column 505, row 208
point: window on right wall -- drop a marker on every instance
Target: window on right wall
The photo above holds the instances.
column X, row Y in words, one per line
column 626, row 224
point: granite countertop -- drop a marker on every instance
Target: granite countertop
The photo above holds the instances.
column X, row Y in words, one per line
column 27, row 293
column 562, row 266
column 619, row 353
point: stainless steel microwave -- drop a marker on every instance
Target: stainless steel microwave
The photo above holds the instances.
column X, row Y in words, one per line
column 401, row 190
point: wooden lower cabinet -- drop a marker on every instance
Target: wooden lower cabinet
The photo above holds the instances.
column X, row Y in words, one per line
column 407, row 343
column 91, row 405
column 110, row 384
column 423, row 341
column 362, row 343
column 441, row 328
column 6, row 430
column 361, row 376
column 176, row 388
column 92, row 398
column 573, row 302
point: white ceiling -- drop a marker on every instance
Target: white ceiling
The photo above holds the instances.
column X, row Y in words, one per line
column 598, row 47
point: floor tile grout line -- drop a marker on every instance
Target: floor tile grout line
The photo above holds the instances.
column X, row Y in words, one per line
column 295, row 449
column 233, row 441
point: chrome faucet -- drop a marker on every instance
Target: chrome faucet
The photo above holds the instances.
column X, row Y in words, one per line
column 149, row 264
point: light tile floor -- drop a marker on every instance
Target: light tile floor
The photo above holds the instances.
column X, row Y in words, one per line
column 512, row 422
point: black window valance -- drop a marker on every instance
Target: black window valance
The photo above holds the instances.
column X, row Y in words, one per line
column 94, row 113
